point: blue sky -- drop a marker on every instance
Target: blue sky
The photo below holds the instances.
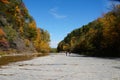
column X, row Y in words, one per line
column 60, row 17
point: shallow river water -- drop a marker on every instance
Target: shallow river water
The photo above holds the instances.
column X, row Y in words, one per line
column 61, row 67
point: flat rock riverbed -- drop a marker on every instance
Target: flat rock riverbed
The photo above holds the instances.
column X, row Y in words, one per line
column 61, row 67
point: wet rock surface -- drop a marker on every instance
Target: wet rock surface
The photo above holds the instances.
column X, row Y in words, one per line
column 61, row 67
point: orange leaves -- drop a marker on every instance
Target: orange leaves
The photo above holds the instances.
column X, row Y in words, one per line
column 40, row 44
column 19, row 24
column 21, row 30
column 92, row 31
column 37, row 41
column 38, row 38
column 17, row 9
column 3, row 41
column 110, row 28
column 42, row 47
column 5, row 1
column 32, row 25
column 72, row 41
column 2, row 33
column 66, row 47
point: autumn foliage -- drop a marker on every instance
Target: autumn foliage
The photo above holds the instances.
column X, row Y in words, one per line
column 98, row 38
column 2, row 33
column 3, row 42
column 18, row 30
column 41, row 44
column 4, row 1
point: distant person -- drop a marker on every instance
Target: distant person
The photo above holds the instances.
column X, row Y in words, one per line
column 66, row 53
column 69, row 53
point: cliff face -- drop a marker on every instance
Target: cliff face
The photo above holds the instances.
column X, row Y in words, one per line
column 18, row 31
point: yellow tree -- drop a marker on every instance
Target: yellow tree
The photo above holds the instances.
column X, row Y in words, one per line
column 32, row 24
column 21, row 30
column 109, row 30
column 66, row 47
column 37, row 40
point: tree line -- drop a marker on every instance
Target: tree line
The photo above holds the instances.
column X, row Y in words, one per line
column 18, row 30
column 100, row 37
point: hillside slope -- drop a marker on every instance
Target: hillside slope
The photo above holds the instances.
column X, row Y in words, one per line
column 18, row 30
column 100, row 37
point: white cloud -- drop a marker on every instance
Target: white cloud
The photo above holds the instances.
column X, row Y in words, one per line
column 54, row 9
column 54, row 12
